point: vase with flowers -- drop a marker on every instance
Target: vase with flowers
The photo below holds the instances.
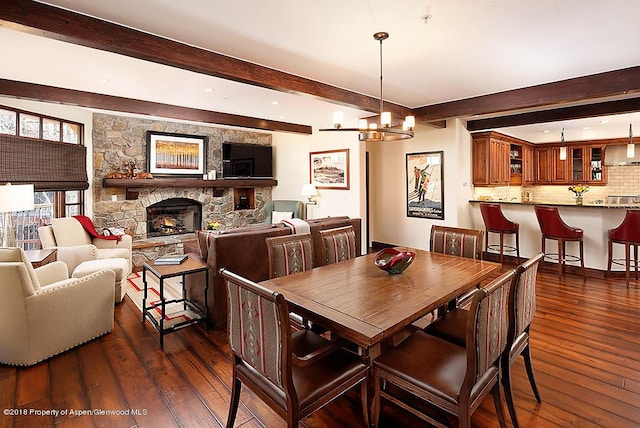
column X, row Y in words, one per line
column 213, row 225
column 578, row 191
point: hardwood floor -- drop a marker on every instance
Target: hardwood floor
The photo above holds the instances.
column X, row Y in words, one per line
column 585, row 347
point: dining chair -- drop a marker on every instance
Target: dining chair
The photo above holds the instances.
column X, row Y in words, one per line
column 521, row 310
column 445, row 375
column 289, row 254
column 339, row 244
column 456, row 241
column 269, row 359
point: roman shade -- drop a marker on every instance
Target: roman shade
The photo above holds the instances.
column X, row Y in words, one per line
column 48, row 165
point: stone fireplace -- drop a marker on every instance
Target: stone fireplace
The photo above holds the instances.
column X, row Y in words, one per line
column 173, row 216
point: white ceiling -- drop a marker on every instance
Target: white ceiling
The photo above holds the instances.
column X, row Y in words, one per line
column 466, row 48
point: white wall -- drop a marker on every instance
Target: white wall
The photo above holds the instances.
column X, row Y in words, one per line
column 388, row 218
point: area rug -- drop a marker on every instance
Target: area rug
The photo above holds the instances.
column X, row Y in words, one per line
column 174, row 313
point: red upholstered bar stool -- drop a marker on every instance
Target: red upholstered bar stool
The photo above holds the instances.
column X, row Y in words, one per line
column 496, row 222
column 627, row 234
column 553, row 227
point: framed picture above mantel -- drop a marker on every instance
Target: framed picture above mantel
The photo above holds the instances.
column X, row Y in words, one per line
column 178, row 155
column 330, row 169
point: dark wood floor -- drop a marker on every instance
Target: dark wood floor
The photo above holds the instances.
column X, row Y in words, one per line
column 586, row 352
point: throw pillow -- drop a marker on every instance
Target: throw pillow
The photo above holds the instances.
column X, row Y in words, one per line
column 278, row 216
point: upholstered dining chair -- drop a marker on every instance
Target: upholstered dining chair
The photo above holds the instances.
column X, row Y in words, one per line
column 456, row 241
column 339, row 244
column 445, row 375
column 521, row 310
column 496, row 222
column 290, row 254
column 628, row 234
column 268, row 358
column 553, row 227
column 43, row 312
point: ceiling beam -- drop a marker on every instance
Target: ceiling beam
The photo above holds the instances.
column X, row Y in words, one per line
column 59, row 24
column 37, row 92
column 557, row 114
column 618, row 83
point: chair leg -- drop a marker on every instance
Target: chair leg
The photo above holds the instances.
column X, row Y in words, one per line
column 508, row 390
column 501, row 247
column 610, row 258
column 635, row 259
column 560, row 257
column 584, row 272
column 235, row 400
column 497, row 401
column 627, row 261
column 375, row 403
column 526, row 353
column 518, row 247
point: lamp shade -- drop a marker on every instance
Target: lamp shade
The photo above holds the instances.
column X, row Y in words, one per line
column 309, row 190
column 15, row 198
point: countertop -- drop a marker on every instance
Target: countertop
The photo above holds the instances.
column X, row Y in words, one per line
column 560, row 204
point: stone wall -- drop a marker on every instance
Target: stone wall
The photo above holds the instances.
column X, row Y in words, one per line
column 120, row 139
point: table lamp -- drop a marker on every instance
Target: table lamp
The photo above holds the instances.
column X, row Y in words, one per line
column 309, row 190
column 13, row 198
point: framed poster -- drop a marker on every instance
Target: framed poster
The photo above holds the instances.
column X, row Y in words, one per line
column 176, row 154
column 330, row 169
column 425, row 190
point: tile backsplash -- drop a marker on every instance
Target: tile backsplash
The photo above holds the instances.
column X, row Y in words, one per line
column 621, row 180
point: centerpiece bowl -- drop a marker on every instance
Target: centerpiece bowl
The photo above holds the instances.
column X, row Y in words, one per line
column 394, row 261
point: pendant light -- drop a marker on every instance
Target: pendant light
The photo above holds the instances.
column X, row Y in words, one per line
column 563, row 148
column 631, row 148
column 373, row 131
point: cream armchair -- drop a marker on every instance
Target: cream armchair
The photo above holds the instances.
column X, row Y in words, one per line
column 44, row 313
column 83, row 254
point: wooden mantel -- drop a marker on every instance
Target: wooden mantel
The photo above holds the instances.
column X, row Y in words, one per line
column 133, row 186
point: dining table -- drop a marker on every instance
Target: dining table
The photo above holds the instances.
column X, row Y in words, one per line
column 364, row 304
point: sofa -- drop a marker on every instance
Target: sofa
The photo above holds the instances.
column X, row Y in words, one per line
column 244, row 251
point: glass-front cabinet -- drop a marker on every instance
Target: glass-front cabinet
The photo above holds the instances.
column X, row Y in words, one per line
column 595, row 164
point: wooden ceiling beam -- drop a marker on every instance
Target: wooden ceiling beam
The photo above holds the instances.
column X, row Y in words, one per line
column 53, row 94
column 557, row 114
column 618, row 83
column 59, row 24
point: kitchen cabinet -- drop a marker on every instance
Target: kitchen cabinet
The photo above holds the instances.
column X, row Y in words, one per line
column 500, row 160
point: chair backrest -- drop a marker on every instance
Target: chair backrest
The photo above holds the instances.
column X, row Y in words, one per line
column 487, row 327
column 629, row 229
column 294, row 207
column 551, row 224
column 17, row 255
column 456, row 241
column 494, row 218
column 69, row 232
column 522, row 297
column 289, row 254
column 339, row 244
column 259, row 330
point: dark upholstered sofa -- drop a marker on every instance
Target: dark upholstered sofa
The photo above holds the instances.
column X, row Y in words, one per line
column 244, row 251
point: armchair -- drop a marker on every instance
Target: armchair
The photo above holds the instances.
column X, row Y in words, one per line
column 84, row 254
column 44, row 313
column 296, row 207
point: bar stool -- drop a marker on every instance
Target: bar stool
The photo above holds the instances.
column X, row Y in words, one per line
column 553, row 227
column 496, row 222
column 627, row 234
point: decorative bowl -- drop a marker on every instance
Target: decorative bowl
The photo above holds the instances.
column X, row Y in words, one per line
column 394, row 261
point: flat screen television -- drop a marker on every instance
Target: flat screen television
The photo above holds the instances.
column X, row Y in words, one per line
column 241, row 160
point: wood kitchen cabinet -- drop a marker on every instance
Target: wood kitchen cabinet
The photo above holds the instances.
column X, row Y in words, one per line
column 500, row 160
column 584, row 164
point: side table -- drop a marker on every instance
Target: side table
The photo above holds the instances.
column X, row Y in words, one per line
column 42, row 257
column 162, row 272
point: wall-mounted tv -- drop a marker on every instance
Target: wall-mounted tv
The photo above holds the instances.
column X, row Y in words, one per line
column 246, row 160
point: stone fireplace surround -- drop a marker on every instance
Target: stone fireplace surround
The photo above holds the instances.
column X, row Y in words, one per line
column 117, row 140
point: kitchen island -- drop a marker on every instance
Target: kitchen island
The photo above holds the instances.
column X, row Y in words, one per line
column 594, row 219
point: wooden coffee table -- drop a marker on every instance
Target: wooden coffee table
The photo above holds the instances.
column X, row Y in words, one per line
column 42, row 257
column 190, row 266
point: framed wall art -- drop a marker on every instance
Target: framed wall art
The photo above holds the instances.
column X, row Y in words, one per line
column 425, row 190
column 176, row 154
column 330, row 169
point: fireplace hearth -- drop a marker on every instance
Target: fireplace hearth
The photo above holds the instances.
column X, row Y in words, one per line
column 173, row 216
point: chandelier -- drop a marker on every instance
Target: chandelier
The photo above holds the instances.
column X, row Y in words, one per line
column 373, row 131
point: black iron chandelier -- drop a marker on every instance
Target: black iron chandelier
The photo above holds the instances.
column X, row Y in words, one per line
column 374, row 131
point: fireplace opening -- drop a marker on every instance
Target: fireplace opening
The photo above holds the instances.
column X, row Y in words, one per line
column 173, row 216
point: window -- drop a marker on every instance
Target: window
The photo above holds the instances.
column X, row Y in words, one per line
column 51, row 203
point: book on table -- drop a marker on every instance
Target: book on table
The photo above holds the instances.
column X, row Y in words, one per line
column 170, row 260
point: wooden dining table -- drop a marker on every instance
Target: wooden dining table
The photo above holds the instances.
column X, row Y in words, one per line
column 366, row 305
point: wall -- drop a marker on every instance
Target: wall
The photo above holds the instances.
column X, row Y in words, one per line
column 388, row 220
